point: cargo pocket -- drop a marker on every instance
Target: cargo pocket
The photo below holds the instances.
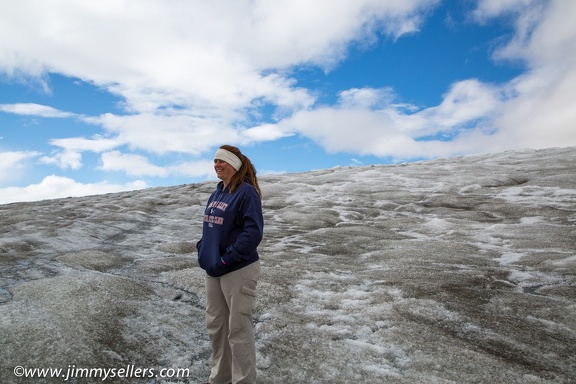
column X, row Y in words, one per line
column 248, row 298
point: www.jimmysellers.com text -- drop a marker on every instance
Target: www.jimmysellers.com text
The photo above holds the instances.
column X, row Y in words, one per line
column 74, row 372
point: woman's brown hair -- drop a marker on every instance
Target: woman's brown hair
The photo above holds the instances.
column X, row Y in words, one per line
column 247, row 171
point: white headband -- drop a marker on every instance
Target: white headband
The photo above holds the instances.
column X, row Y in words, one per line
column 229, row 157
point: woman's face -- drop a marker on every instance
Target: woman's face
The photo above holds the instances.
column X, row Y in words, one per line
column 224, row 171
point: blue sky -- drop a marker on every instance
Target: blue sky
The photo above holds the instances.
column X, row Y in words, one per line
column 114, row 95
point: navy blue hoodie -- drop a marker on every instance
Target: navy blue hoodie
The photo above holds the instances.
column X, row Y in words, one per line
column 233, row 228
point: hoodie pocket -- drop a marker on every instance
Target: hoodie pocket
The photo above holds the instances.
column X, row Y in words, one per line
column 208, row 254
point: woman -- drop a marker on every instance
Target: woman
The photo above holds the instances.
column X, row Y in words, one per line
column 232, row 229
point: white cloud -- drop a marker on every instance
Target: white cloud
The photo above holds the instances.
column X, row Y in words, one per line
column 163, row 134
column 487, row 9
column 465, row 102
column 96, row 143
column 540, row 112
column 542, row 115
column 138, row 165
column 131, row 164
column 64, row 159
column 365, row 98
column 52, row 187
column 196, row 169
column 71, row 155
column 349, row 130
column 12, row 163
column 34, row 109
column 264, row 132
column 287, row 33
column 392, row 129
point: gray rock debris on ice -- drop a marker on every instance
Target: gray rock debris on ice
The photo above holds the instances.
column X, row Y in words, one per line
column 457, row 270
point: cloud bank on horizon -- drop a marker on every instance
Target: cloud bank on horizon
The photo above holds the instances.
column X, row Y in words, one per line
column 183, row 77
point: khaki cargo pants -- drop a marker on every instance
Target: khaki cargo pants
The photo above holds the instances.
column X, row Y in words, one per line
column 229, row 303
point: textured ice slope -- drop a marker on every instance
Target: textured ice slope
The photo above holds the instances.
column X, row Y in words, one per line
column 456, row 270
